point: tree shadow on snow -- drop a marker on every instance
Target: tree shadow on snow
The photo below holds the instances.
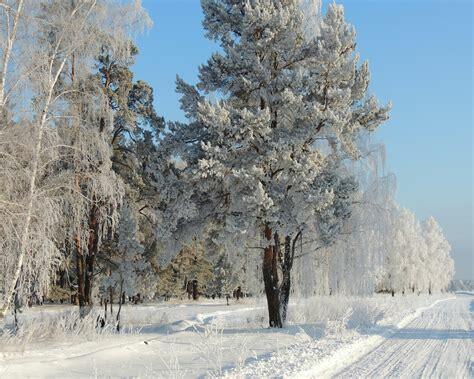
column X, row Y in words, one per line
column 393, row 333
column 313, row 331
column 432, row 334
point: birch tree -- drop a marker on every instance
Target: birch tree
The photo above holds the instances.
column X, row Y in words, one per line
column 12, row 15
column 59, row 33
column 50, row 64
column 439, row 264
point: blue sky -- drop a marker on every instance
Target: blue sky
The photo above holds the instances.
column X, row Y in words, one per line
column 420, row 55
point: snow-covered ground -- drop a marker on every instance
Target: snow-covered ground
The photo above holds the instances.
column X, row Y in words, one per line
column 331, row 336
column 437, row 343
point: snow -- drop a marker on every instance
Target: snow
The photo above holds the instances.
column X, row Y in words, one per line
column 325, row 337
column 438, row 343
column 361, row 349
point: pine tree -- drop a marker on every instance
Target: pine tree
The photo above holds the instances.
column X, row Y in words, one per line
column 176, row 279
column 223, row 281
column 108, row 172
column 292, row 105
column 130, row 273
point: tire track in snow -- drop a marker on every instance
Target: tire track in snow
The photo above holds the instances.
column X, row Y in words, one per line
column 350, row 353
column 438, row 343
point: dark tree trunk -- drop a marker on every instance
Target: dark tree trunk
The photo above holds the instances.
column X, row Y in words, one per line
column 286, row 267
column 92, row 246
column 80, row 273
column 270, row 279
column 89, row 264
column 120, row 307
column 189, row 289
column 16, row 306
column 195, row 290
column 111, row 298
column 62, row 280
column 286, row 278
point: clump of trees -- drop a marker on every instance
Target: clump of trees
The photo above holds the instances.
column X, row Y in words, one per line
column 418, row 257
column 67, row 100
column 272, row 185
column 187, row 275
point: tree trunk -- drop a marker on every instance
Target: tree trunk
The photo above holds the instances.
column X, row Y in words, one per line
column 111, row 295
column 195, row 290
column 286, row 279
column 120, row 307
column 16, row 308
column 7, row 50
column 270, row 279
column 92, row 247
column 80, row 273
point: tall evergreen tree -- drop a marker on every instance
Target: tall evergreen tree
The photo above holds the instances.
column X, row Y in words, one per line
column 261, row 162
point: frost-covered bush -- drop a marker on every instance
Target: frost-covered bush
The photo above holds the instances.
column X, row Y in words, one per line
column 51, row 326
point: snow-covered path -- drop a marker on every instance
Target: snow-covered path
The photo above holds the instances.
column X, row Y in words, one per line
column 438, row 343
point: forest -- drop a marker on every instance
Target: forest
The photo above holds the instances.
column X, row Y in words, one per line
column 272, row 189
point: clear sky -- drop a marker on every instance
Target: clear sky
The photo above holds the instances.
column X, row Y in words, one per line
column 420, row 54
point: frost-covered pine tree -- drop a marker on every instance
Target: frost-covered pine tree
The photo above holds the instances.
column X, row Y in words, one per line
column 224, row 280
column 130, row 272
column 292, row 102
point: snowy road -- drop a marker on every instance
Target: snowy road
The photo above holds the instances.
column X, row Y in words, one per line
column 438, row 343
